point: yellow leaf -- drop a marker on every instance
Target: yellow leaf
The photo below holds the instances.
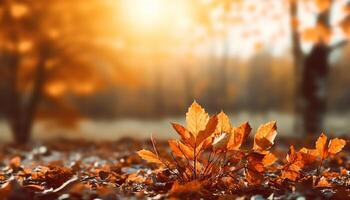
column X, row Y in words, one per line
column 224, row 125
column 196, row 118
column 265, row 136
column 149, row 156
column 336, row 145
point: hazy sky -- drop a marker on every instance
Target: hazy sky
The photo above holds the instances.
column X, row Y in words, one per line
column 250, row 26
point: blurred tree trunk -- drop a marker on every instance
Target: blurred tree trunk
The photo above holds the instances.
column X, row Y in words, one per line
column 298, row 65
column 22, row 107
column 311, row 75
column 22, row 112
column 313, row 89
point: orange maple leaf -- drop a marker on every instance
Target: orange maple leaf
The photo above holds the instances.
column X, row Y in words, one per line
column 293, row 166
column 334, row 146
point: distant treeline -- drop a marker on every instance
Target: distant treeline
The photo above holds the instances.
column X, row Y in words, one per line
column 264, row 83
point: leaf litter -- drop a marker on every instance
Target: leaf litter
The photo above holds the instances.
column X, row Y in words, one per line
column 212, row 159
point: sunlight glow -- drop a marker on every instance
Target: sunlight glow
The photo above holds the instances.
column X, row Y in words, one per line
column 144, row 13
column 250, row 27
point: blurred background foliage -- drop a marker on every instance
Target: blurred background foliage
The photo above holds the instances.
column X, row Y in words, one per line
column 64, row 62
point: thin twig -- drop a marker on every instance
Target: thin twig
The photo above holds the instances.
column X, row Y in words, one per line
column 195, row 161
column 188, row 160
column 206, row 166
column 154, row 144
column 212, row 164
column 179, row 166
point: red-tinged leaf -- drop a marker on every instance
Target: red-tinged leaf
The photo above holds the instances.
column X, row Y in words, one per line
column 185, row 135
column 149, row 156
column 336, row 145
column 321, row 146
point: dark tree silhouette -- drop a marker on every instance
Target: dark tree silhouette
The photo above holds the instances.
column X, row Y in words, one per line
column 311, row 72
column 58, row 51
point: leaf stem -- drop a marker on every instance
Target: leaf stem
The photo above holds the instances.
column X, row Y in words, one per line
column 195, row 161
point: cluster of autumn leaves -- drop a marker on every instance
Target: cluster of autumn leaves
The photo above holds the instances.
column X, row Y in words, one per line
column 209, row 148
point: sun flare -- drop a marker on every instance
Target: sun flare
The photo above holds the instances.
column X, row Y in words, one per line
column 144, row 13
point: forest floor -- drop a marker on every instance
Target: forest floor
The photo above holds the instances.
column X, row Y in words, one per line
column 114, row 129
column 78, row 169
